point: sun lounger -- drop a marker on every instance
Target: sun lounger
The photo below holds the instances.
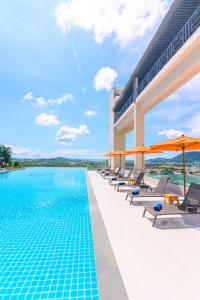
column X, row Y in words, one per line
column 158, row 191
column 121, row 178
column 116, row 172
column 108, row 172
column 131, row 183
column 104, row 170
column 190, row 205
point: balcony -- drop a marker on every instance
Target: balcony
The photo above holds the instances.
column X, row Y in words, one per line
column 171, row 48
column 188, row 29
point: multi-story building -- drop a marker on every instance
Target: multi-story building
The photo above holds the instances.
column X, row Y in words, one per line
column 171, row 59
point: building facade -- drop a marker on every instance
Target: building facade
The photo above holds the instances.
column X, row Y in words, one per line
column 171, row 59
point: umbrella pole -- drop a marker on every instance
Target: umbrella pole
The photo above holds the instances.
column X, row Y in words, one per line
column 142, row 161
column 120, row 160
column 184, row 174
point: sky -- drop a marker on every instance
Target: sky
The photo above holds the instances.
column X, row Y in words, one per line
column 58, row 63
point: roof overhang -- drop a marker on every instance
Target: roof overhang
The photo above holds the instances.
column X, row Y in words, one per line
column 177, row 15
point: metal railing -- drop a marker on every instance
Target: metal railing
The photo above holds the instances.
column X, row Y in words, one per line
column 188, row 29
column 126, row 105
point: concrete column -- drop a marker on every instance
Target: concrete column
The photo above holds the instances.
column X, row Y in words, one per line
column 138, row 134
column 138, row 127
column 111, row 125
column 117, row 139
column 119, row 144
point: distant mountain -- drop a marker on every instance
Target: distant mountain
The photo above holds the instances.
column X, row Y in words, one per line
column 60, row 162
column 57, row 159
column 191, row 157
column 157, row 160
column 54, row 159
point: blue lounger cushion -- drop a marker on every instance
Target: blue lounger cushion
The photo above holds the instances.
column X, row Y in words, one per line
column 135, row 192
column 157, row 207
column 114, row 178
column 122, row 183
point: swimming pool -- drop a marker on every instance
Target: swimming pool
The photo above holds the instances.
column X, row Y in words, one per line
column 46, row 245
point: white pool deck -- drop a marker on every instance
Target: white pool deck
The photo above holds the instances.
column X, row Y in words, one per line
column 161, row 263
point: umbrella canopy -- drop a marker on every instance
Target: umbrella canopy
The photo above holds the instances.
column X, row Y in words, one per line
column 182, row 143
column 119, row 153
column 142, row 150
column 108, row 154
column 115, row 153
column 177, row 144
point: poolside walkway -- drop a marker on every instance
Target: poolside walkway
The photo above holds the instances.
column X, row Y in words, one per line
column 155, row 263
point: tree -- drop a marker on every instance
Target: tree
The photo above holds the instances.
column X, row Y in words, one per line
column 5, row 154
column 17, row 164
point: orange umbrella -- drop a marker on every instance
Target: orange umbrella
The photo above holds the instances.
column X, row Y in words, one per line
column 141, row 150
column 116, row 153
column 181, row 143
column 109, row 155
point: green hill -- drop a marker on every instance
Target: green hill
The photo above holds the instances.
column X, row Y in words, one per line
column 191, row 157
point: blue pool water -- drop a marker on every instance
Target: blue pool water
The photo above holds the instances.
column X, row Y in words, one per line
column 46, row 245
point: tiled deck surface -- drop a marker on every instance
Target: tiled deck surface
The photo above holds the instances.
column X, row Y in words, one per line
column 155, row 263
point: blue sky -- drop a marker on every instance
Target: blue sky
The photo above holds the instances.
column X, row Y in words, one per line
column 56, row 74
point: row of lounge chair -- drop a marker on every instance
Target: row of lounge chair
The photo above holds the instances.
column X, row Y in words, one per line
column 190, row 204
column 135, row 182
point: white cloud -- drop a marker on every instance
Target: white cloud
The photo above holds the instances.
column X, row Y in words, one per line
column 69, row 134
column 90, row 113
column 19, row 151
column 76, row 57
column 64, row 98
column 104, row 79
column 171, row 133
column 174, row 98
column 47, row 119
column 42, row 101
column 192, row 88
column 194, row 124
column 28, row 97
column 189, row 91
column 78, row 153
column 25, row 152
column 123, row 20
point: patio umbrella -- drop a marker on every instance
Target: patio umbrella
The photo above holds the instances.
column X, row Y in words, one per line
column 142, row 150
column 119, row 153
column 182, row 143
column 108, row 155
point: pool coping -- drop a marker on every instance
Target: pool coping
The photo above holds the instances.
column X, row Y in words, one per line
column 110, row 283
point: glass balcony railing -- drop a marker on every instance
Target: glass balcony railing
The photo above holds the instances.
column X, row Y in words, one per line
column 188, row 29
column 178, row 178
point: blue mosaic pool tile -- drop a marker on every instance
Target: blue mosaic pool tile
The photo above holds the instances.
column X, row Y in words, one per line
column 46, row 239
